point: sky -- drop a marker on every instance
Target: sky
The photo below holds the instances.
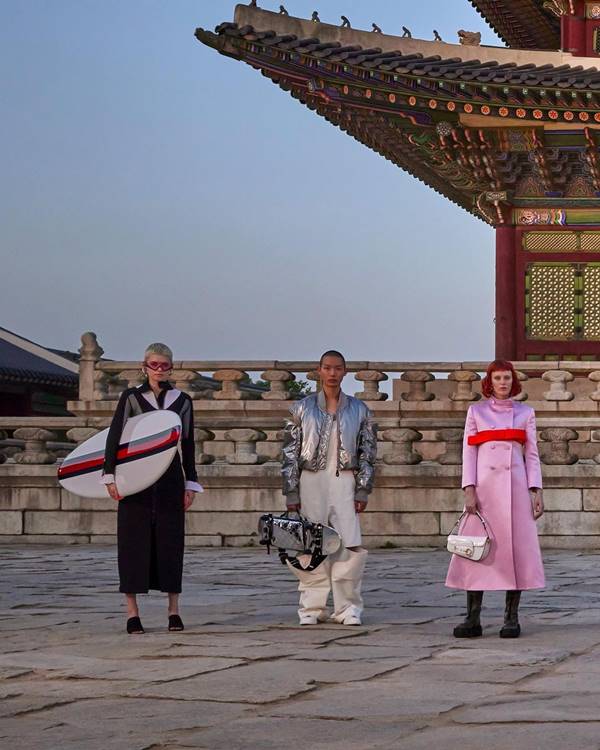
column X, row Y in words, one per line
column 153, row 190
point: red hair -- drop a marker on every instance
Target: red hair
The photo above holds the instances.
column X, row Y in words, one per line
column 495, row 366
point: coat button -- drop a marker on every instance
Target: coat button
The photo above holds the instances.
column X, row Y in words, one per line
column 492, row 468
column 493, row 447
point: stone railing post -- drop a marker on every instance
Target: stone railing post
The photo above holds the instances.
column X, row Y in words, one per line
column 101, row 385
column 36, row 449
column 3, row 456
column 184, row 381
column 595, row 378
column 90, row 352
column 277, row 380
column 554, row 450
column 402, row 452
column 523, row 396
column 202, row 436
column 371, row 380
column 417, row 385
column 313, row 376
column 558, row 380
column 230, row 390
column 80, row 434
column 132, row 378
column 245, row 440
column 454, row 440
column 464, row 380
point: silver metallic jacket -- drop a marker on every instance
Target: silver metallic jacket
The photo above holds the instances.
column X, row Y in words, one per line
column 306, row 441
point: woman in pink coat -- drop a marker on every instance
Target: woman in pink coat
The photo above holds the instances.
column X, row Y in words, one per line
column 503, row 481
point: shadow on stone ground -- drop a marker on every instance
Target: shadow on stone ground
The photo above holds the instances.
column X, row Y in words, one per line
column 243, row 675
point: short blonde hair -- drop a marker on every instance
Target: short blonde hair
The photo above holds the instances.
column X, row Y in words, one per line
column 161, row 349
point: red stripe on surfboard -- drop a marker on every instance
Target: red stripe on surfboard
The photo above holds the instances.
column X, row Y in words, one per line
column 123, row 453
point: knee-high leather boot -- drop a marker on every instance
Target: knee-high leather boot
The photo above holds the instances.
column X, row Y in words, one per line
column 511, row 627
column 471, row 627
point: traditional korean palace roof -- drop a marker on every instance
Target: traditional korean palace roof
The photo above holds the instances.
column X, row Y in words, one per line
column 25, row 362
column 484, row 126
column 523, row 24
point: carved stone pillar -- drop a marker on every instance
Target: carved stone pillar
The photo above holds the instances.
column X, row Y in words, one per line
column 101, row 385
column 90, row 352
column 454, row 441
column 558, row 380
column 464, row 380
column 202, row 436
column 595, row 378
column 245, row 440
column 184, row 381
column 313, row 376
column 277, row 380
column 554, row 450
column 371, row 380
column 402, row 452
column 417, row 385
column 36, row 449
column 229, row 380
column 132, row 378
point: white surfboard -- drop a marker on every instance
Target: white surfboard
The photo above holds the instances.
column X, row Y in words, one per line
column 146, row 449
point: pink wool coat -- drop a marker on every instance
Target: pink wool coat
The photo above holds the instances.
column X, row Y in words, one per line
column 502, row 472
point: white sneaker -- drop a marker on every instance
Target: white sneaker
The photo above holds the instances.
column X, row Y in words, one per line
column 308, row 620
column 352, row 620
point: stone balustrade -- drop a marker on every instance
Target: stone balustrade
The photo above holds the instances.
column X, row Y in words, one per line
column 240, row 408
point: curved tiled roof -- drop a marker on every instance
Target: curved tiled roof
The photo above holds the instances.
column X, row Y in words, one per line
column 523, row 24
column 451, row 69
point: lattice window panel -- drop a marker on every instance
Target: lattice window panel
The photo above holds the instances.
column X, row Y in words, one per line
column 561, row 242
column 551, row 301
column 591, row 302
column 590, row 242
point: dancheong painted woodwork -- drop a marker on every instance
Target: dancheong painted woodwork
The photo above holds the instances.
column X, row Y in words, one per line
column 509, row 134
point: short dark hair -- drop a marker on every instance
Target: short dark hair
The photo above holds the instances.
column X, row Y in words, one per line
column 332, row 353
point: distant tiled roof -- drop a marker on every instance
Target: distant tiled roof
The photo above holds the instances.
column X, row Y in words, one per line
column 522, row 24
column 452, row 69
column 23, row 363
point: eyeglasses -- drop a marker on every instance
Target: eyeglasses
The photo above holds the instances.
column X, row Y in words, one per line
column 159, row 366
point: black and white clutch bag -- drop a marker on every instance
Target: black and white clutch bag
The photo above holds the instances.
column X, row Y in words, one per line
column 474, row 548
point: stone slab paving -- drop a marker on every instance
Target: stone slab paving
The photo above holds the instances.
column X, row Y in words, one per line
column 243, row 675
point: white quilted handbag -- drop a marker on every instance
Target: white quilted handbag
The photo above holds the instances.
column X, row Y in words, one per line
column 474, row 548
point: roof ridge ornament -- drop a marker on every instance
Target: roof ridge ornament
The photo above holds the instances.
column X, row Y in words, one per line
column 436, row 36
column 283, row 11
column 376, row 29
column 315, row 17
column 469, row 38
column 345, row 23
column 406, row 33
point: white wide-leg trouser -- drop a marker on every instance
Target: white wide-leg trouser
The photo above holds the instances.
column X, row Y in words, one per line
column 329, row 499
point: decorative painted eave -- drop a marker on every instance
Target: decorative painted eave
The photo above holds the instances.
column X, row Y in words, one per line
column 523, row 24
column 439, row 111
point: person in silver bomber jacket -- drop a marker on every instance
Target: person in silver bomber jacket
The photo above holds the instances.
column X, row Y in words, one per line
column 329, row 451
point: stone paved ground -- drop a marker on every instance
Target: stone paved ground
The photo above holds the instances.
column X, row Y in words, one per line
column 243, row 675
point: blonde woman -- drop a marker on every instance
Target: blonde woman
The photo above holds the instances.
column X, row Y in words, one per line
column 151, row 523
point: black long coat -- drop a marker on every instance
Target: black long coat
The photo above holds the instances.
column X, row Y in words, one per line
column 151, row 523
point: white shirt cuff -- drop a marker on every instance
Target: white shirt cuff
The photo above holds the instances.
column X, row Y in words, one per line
column 108, row 479
column 194, row 486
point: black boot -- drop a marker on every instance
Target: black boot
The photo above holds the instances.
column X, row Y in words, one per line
column 471, row 627
column 511, row 627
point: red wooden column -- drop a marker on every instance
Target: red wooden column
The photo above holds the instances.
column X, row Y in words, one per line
column 506, row 293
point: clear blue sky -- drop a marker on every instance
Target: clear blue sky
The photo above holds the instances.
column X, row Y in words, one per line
column 154, row 190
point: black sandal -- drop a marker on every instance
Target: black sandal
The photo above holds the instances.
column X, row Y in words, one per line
column 175, row 624
column 134, row 626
